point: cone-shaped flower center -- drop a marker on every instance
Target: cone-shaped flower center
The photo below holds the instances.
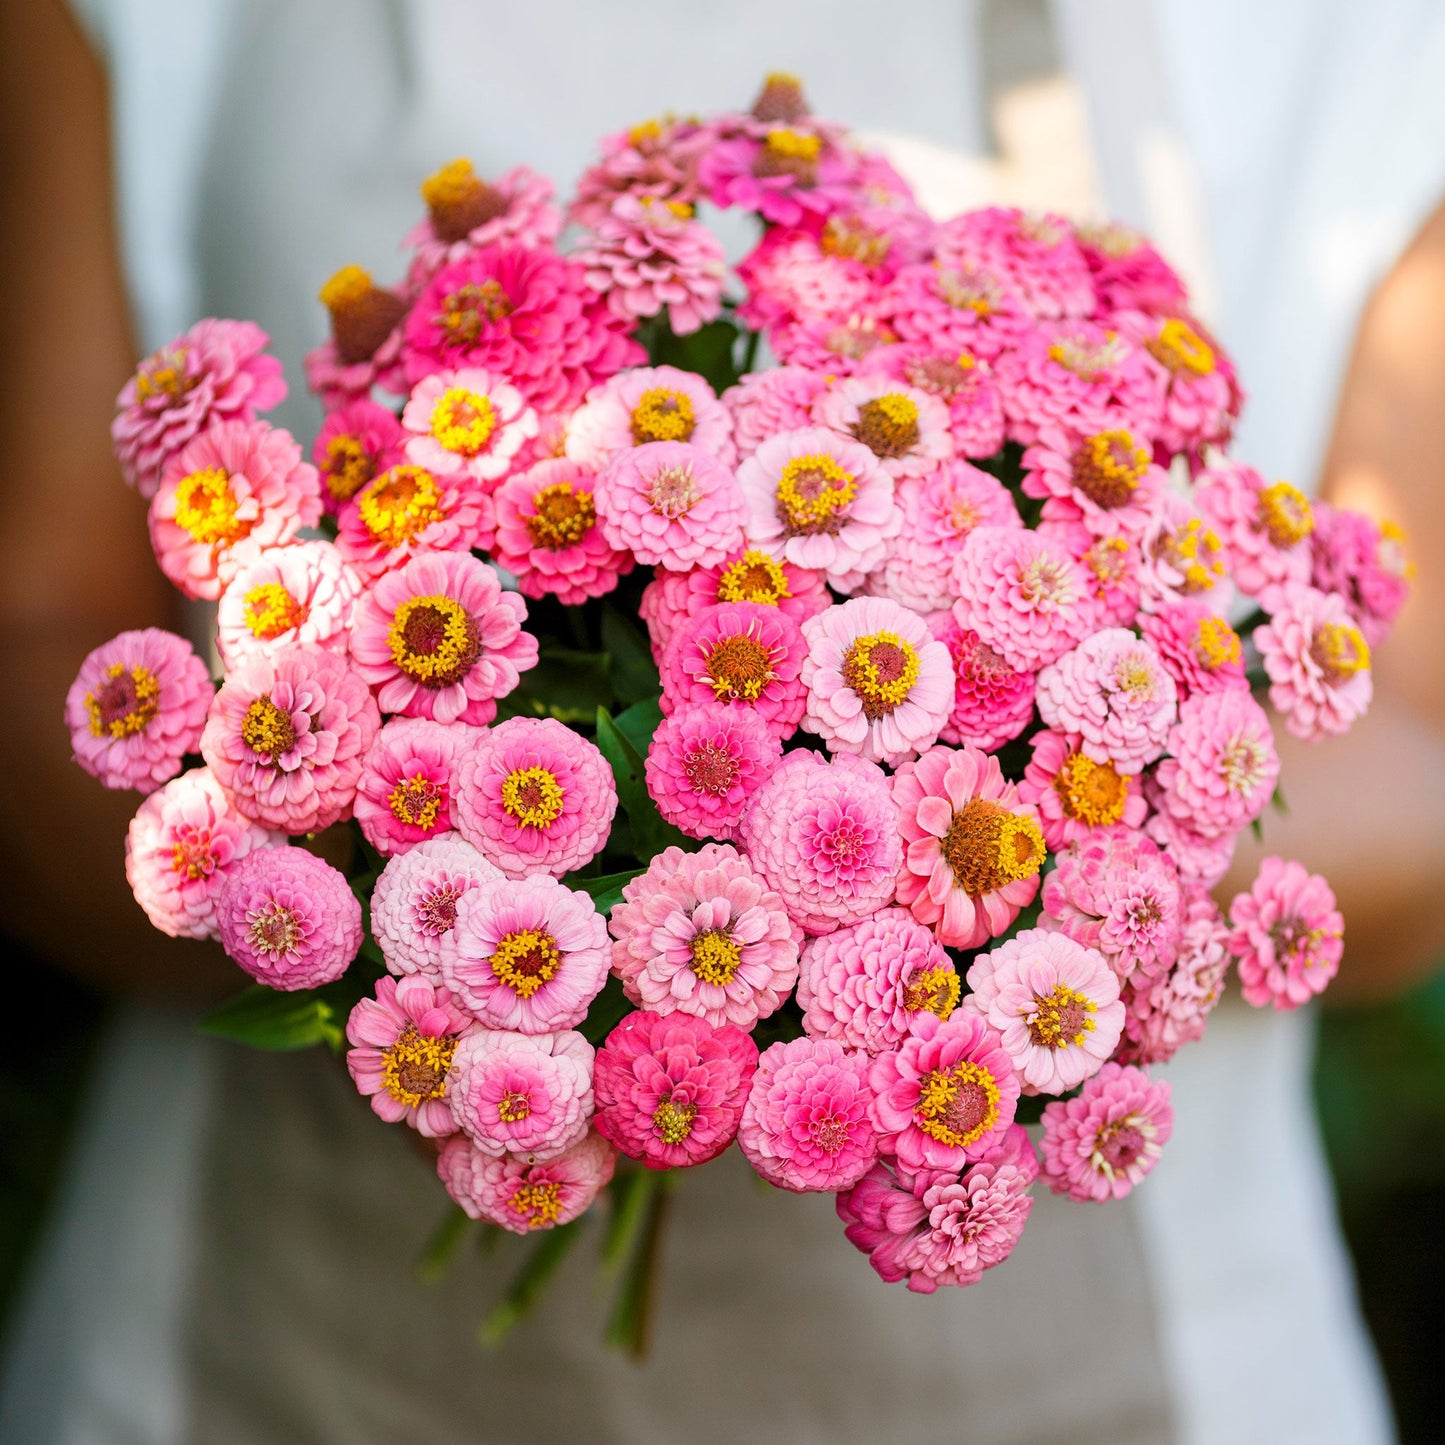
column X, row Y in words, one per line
column 987, row 847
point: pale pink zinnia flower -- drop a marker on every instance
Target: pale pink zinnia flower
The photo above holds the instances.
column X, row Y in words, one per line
column 518, row 1193
column 402, row 1042
column 301, row 593
column 806, row 1124
column 467, row 421
column 357, row 442
column 1101, row 1144
column 1201, row 650
column 181, row 846
column 216, row 371
column 703, row 933
column 825, row 836
column 414, row 903
column 765, row 403
column 992, row 702
column 439, row 638
column 288, row 736
column 946, row 1094
column 231, row 491
column 535, row 797
column 704, row 763
column 972, row 849
column 1287, row 934
column 671, row 1089
column 1055, row 1005
column 1113, row 691
column 1073, row 793
column 1264, row 529
column 408, row 781
column 863, row 984
column 137, row 707
column 1182, row 557
column 527, row 1094
column 878, row 683
column 1199, row 860
column 289, row 918
column 905, row 429
column 649, row 404
column 1318, row 662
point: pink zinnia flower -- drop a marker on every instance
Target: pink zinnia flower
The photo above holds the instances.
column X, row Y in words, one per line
column 1022, row 593
column 1200, row 400
column 1117, row 892
column 820, row 501
column 408, row 511
column 1182, row 558
column 466, row 421
column 528, row 1094
column 527, row 955
column 182, row 845
column 289, row 918
column 1222, row 766
column 862, row 985
column 671, row 1090
column 1264, row 530
column 534, row 797
column 1054, row 1003
column 439, row 638
column 414, row 903
column 786, row 175
column 465, row 212
column 670, row 504
column 1073, row 793
column 216, row 371
column 704, row 763
column 1287, row 934
column 1318, row 662
column 992, row 702
column 806, row 1124
column 1107, row 481
column 1111, row 568
column 765, row 403
column 939, row 511
column 548, row 538
column 646, row 255
column 657, row 158
column 946, row 1094
column 238, row 487
column 791, row 275
column 1199, row 860
column 738, row 657
column 703, row 933
column 408, row 781
column 288, row 736
column 1036, row 257
column 878, row 683
column 137, row 707
column 364, row 348
column 357, row 442
column 905, row 429
column 1100, row 1145
column 302, row 593
column 1113, row 691
column 937, row 1226
column 1200, row 649
column 649, row 404
column 1364, row 561
column 520, row 1194
column 824, row 835
column 953, row 309
column 955, row 377
column 1129, row 274
column 972, row 849
column 402, row 1042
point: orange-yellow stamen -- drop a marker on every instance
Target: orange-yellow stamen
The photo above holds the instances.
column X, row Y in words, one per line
column 1062, row 1018
column 267, row 730
column 662, row 414
column 417, row 802
column 1091, row 792
column 881, row 668
column 564, row 516
column 164, row 374
column 673, row 1122
column 934, row 989
column 414, row 1069
column 270, row 610
column 533, row 796
column 463, row 421
column 1339, row 651
column 399, row 504
column 525, row 960
column 512, row 1107
column 888, row 425
column 540, row 1204
column 715, row 957
column 754, row 577
column 433, row 640
column 988, row 847
column 273, row 930
column 1285, row 514
column 813, row 494
column 738, row 668
column 467, row 311
column 1216, row 643
column 959, row 1105
column 348, row 467
column 1107, row 468
column 207, row 508
column 1181, row 348
column 125, row 702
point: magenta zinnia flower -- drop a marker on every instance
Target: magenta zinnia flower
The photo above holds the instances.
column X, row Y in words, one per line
column 1036, row 257
column 703, row 764
column 671, row 1090
column 1099, row 1145
column 465, row 212
column 407, row 784
column 1108, row 481
column 992, row 702
column 517, row 1193
column 1363, row 560
column 1287, row 934
column 357, row 442
column 1200, row 649
column 1264, row 529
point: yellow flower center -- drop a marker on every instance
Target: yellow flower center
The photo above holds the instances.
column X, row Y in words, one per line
column 164, row 374
column 363, row 314
column 847, row 237
column 206, row 508
column 1339, row 651
column 533, row 796
column 433, row 640
column 268, row 731
column 647, row 132
column 512, row 1107
column 1108, row 466
column 539, row 1204
column 673, row 1122
column 959, row 1105
column 968, row 290
column 414, row 1069
column 715, row 957
column 463, row 421
column 125, row 702
column 793, row 145
column 469, row 310
column 662, row 415
column 814, row 494
column 888, row 425
column 417, row 802
column 1285, row 514
column 273, row 930
column 193, row 855
column 525, row 960
column 459, row 200
column 881, row 668
column 563, row 516
column 1195, row 551
column 399, row 504
column 1091, row 792
column 270, row 610
column 1088, row 360
column 1181, row 348
column 988, row 847
column 1216, row 643
column 1064, row 1017
column 346, row 287
column 933, row 989
column 347, row 468
column 738, row 668
column 754, row 577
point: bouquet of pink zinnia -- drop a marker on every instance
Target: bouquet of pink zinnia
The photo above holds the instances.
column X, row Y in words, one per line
column 883, row 846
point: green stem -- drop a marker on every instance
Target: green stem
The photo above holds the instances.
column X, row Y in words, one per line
column 629, row 1327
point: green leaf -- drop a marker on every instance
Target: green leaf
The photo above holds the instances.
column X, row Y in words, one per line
column 605, row 891
column 442, row 1247
column 568, row 684
column 605, row 1012
column 266, row 1019
column 651, row 834
column 529, row 1282
column 707, row 351
column 634, row 674
column 639, row 723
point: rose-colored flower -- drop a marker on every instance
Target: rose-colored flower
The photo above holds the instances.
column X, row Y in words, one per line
column 657, row 158
column 534, row 797
column 1128, row 272
column 862, row 985
column 1201, row 400
column 288, row 918
column 1100, row 1145
column 1054, row 1003
column 1181, row 557
column 905, row 429
column 288, row 736
column 465, row 212
column 1199, row 648
column 216, row 371
column 407, row 511
column 1364, row 561
column 357, row 442
column 704, row 763
column 1073, row 794
column 954, row 309
column 824, row 835
column 414, row 904
column 765, row 403
column 649, row 404
column 806, row 1125
column 1199, row 860
column 1318, row 662
column 703, row 933
column 528, row 1094
column 466, row 421
column 522, row 1194
column 181, row 846
column 407, row 783
column 302, row 593
column 1287, row 934
column 971, row 849
column 786, row 175
column 955, row 377
column 1263, row 529
column 439, row 638
column 671, row 1090
column 137, row 707
column 992, row 703
column 795, row 275
column 1108, row 481
column 1036, row 257
column 1111, row 568
column 402, row 1042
